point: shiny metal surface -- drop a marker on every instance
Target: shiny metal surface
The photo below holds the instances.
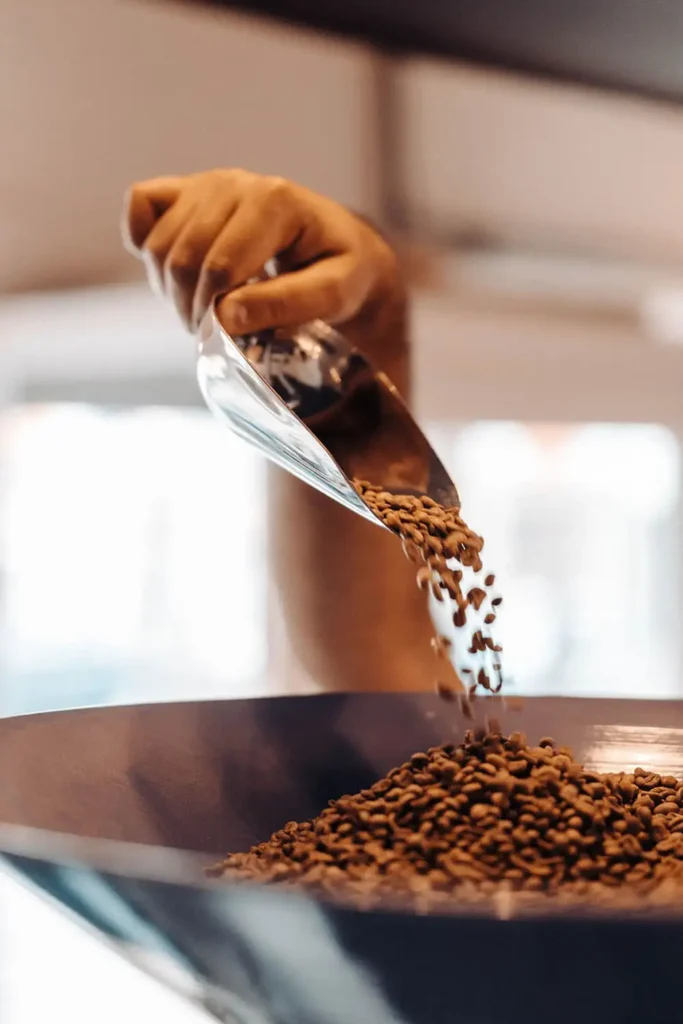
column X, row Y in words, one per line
column 315, row 406
column 114, row 812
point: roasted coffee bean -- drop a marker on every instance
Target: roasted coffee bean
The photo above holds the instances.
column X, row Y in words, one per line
column 431, row 536
column 424, row 577
column 483, row 679
column 460, row 618
column 668, row 807
column 466, row 708
column 446, row 691
column 459, row 822
column 411, row 551
column 476, row 597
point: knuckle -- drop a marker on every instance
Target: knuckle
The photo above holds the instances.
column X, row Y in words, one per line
column 270, row 188
column 231, row 177
column 136, row 192
column 231, row 173
column 223, row 174
column 277, row 190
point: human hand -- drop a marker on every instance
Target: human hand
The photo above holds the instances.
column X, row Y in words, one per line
column 205, row 236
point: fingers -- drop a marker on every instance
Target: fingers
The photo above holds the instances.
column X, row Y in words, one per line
column 185, row 261
column 208, row 235
column 249, row 239
column 162, row 238
column 332, row 290
column 143, row 205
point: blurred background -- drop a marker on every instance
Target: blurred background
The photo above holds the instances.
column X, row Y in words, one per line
column 542, row 229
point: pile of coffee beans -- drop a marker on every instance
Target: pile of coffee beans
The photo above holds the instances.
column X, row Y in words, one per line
column 493, row 817
column 448, row 555
column 489, row 817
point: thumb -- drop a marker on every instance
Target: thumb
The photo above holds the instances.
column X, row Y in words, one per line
column 333, row 289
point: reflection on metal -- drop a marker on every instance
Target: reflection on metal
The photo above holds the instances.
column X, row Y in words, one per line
column 315, row 406
column 114, row 812
column 622, row 748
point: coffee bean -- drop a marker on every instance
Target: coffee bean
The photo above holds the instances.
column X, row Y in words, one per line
column 431, row 535
column 410, row 551
column 476, row 597
column 458, row 822
column 446, row 691
column 466, row 708
column 424, row 577
column 459, row 618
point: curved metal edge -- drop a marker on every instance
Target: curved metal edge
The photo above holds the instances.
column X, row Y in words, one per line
column 23, row 850
column 437, row 483
column 147, row 863
column 211, row 328
column 616, row 723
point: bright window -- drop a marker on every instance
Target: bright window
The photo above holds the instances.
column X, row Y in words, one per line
column 582, row 528
column 132, row 547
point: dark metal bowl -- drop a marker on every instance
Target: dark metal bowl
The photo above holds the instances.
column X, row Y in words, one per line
column 114, row 813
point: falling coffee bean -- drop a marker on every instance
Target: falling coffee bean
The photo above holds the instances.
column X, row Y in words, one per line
column 431, row 536
column 446, row 691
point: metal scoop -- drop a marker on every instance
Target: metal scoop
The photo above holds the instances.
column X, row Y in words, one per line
column 317, row 407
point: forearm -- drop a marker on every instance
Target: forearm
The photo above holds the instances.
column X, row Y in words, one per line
column 353, row 614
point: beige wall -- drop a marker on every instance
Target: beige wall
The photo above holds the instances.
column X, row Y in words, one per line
column 96, row 93
column 542, row 164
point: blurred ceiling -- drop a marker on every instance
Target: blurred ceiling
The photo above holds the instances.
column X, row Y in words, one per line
column 627, row 45
column 95, row 94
